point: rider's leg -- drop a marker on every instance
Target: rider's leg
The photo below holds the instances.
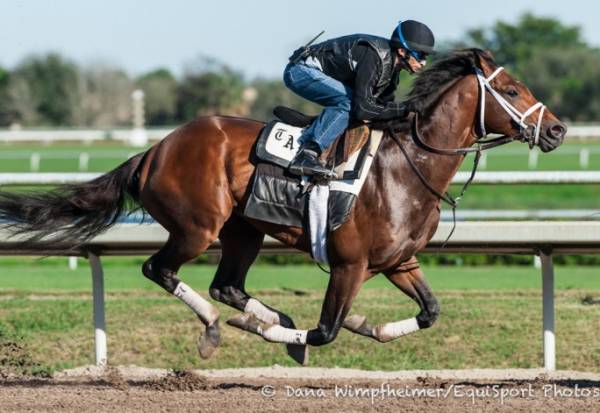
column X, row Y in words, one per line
column 314, row 85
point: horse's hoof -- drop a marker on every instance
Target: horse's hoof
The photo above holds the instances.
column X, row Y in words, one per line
column 209, row 340
column 298, row 352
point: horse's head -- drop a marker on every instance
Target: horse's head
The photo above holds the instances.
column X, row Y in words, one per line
column 507, row 107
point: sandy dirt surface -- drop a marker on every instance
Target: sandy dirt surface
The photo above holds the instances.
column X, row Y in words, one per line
column 277, row 389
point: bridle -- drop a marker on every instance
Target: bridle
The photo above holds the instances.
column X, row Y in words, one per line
column 526, row 134
column 519, row 118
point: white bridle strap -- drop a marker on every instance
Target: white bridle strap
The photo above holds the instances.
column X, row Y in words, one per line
column 514, row 113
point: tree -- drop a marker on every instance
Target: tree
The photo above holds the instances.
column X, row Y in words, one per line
column 551, row 58
column 42, row 90
column 104, row 97
column 271, row 93
column 513, row 44
column 210, row 88
column 7, row 114
column 572, row 91
column 160, row 88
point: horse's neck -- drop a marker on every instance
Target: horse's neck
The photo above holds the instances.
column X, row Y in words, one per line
column 449, row 125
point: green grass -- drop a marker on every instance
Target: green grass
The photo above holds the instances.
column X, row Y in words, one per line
column 31, row 275
column 491, row 318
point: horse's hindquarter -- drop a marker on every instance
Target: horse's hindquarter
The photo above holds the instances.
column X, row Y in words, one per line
column 203, row 165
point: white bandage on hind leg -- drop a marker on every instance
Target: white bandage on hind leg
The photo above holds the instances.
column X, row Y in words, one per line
column 261, row 312
column 205, row 310
column 278, row 334
column 390, row 331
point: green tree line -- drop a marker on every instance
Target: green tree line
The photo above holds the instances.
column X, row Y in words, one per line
column 551, row 58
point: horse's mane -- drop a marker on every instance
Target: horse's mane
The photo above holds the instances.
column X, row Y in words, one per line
column 432, row 82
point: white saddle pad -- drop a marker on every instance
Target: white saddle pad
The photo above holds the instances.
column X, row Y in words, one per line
column 283, row 141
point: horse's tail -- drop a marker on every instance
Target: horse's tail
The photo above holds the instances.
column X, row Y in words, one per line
column 72, row 213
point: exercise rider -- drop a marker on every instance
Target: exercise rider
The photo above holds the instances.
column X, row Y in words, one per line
column 352, row 76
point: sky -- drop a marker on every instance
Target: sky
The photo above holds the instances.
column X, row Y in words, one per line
column 254, row 37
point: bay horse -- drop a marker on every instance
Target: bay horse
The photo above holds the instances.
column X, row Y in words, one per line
column 194, row 183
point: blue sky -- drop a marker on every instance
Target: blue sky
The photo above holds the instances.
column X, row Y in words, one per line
column 252, row 36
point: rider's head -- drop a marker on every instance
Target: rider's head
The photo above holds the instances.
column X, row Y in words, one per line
column 414, row 41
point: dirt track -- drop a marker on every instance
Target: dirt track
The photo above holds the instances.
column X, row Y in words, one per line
column 282, row 389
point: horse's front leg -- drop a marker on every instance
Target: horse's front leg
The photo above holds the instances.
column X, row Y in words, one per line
column 344, row 284
column 409, row 278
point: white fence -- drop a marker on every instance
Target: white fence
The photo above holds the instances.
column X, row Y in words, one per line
column 482, row 177
column 574, row 131
column 49, row 136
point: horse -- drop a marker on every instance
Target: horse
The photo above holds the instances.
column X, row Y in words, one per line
column 195, row 182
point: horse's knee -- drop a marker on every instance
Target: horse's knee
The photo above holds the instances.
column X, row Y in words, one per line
column 429, row 314
column 321, row 336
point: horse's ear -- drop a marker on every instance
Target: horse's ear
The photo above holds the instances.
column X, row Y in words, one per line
column 485, row 60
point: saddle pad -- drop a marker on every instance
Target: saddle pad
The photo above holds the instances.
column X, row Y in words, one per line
column 276, row 196
column 278, row 143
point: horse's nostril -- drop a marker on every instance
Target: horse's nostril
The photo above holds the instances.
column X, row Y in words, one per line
column 557, row 131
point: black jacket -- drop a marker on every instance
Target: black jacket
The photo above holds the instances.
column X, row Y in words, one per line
column 366, row 64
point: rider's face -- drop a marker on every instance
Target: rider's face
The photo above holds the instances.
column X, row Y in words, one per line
column 409, row 62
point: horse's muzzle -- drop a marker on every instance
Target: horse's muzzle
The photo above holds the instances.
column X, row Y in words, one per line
column 553, row 136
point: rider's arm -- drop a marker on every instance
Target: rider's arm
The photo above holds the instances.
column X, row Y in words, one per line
column 365, row 105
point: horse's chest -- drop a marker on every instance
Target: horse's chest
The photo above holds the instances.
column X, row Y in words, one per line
column 412, row 231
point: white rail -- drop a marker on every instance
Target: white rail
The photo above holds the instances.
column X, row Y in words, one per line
column 589, row 131
column 77, row 135
column 489, row 178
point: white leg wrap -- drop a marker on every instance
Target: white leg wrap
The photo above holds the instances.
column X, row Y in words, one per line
column 278, row 334
column 261, row 312
column 205, row 310
column 397, row 329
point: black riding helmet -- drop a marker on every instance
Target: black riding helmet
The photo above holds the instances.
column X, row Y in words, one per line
column 415, row 37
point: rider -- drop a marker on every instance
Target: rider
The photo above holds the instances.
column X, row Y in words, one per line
column 356, row 76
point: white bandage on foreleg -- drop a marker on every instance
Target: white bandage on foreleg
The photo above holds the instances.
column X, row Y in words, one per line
column 278, row 334
column 397, row 329
column 205, row 310
column 261, row 312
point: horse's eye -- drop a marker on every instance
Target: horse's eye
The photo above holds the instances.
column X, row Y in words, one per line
column 512, row 93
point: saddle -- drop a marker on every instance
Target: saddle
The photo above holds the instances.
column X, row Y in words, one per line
column 279, row 197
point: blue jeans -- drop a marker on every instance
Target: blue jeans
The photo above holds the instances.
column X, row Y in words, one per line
column 314, row 85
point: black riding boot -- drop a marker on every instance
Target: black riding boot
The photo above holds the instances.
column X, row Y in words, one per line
column 306, row 163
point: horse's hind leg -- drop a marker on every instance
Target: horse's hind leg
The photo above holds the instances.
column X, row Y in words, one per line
column 409, row 278
column 240, row 244
column 162, row 268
